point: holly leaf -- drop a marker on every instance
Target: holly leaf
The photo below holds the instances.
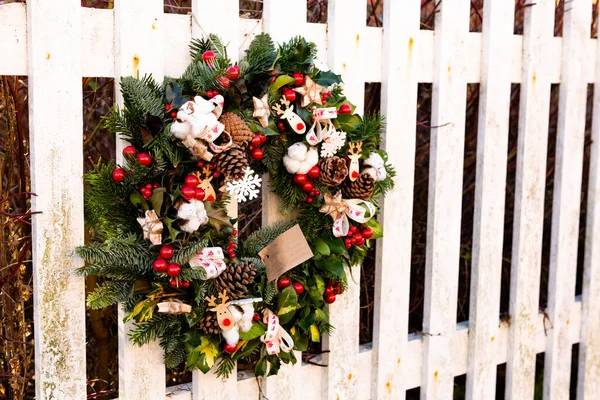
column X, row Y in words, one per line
column 287, row 300
column 347, row 122
column 217, row 217
column 138, row 201
column 333, row 264
column 327, row 78
column 194, row 316
column 208, row 354
column 157, row 199
column 173, row 233
column 281, row 81
column 377, row 228
column 255, row 331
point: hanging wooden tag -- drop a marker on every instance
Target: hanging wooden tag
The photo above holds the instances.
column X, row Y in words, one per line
column 285, row 252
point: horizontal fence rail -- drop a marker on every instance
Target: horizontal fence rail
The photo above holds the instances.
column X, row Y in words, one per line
column 137, row 37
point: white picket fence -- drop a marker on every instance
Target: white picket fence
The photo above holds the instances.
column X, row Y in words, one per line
column 58, row 42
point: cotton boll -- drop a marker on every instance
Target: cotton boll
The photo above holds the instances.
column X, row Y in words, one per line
column 297, row 151
column 181, row 129
column 232, row 336
column 377, row 163
column 202, row 105
column 194, row 213
column 290, row 164
column 311, row 159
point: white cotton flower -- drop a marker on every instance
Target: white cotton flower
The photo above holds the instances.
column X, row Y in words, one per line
column 194, row 214
column 377, row 164
column 193, row 118
column 300, row 159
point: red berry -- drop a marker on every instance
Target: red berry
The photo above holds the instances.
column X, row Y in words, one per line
column 200, row 164
column 173, row 114
column 255, row 141
column 281, row 126
column 174, row 270
column 211, row 93
column 234, row 232
column 160, row 266
column 231, row 245
column 290, row 95
column 367, row 233
column 168, row 107
column 328, row 291
column 298, row 287
column 353, row 228
column 299, row 78
column 273, row 79
column 283, row 282
column 199, row 194
column 256, row 317
column 144, row 159
column 329, row 299
column 118, row 175
column 192, row 181
column 188, row 192
column 232, row 73
column 216, row 174
column 314, row 172
column 357, row 236
column 166, row 252
column 360, row 242
column 263, row 138
column 307, row 187
column 209, row 56
column 345, row 109
column 129, row 151
column 309, row 200
column 212, row 166
column 230, row 348
column 313, row 193
column 300, row 179
column 186, row 284
column 257, row 154
column 173, row 283
column 317, row 193
column 223, row 82
column 148, row 186
column 348, row 243
column 353, row 240
column 156, row 186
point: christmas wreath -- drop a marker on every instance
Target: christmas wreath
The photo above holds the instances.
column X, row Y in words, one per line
column 161, row 240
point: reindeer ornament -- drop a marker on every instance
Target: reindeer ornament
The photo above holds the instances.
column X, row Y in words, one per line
column 233, row 316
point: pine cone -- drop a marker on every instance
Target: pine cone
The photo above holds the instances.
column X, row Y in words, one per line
column 232, row 163
column 333, row 171
column 362, row 188
column 237, row 128
column 236, row 279
column 209, row 323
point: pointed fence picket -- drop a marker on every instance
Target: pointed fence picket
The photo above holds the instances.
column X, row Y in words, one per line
column 61, row 41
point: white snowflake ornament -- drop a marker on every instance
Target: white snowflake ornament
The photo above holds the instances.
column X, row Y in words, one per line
column 194, row 214
column 246, row 188
column 332, row 144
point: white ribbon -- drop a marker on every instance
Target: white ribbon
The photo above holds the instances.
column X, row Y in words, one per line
column 275, row 338
column 322, row 127
column 174, row 307
column 355, row 212
column 211, row 259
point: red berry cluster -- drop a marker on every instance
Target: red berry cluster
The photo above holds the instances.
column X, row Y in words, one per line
column 306, row 185
column 255, row 151
column 324, row 97
column 170, row 111
column 161, row 265
column 232, row 244
column 284, row 282
column 146, row 190
column 331, row 290
column 190, row 189
column 357, row 238
column 230, row 348
column 224, row 81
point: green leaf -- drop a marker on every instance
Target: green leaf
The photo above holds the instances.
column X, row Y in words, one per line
column 347, row 122
column 333, row 264
column 281, row 81
column 157, row 199
column 138, row 201
column 287, row 301
column 336, row 245
column 208, row 354
column 245, row 348
column 320, row 284
column 315, row 295
column 300, row 340
column 261, row 367
column 307, row 322
column 322, row 247
column 255, row 331
column 173, row 233
column 195, row 315
column 321, row 315
column 377, row 228
column 315, row 336
column 327, row 78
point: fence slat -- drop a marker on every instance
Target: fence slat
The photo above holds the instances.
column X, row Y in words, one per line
column 488, row 229
column 392, row 277
column 529, row 200
column 346, row 21
column 567, row 197
column 445, row 195
column 55, row 123
column 139, row 50
column 588, row 385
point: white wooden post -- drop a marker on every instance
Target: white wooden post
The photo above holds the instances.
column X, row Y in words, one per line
column 588, row 385
column 221, row 18
column 529, row 199
column 445, row 197
column 392, row 276
column 567, row 197
column 488, row 229
column 56, row 124
column 346, row 26
column 282, row 20
column 138, row 50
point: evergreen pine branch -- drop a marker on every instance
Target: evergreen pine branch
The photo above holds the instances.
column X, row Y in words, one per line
column 185, row 253
column 312, row 221
column 175, row 351
column 260, row 55
column 387, row 185
column 225, row 367
column 116, row 251
column 156, row 327
column 261, row 238
column 270, row 292
column 189, row 274
column 108, row 293
column 199, row 293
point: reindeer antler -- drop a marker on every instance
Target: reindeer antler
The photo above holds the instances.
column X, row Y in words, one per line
column 355, row 148
column 277, row 108
column 223, row 296
column 211, row 301
column 206, row 173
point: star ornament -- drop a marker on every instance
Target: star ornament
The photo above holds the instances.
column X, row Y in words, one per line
column 311, row 92
column 334, row 206
column 261, row 110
